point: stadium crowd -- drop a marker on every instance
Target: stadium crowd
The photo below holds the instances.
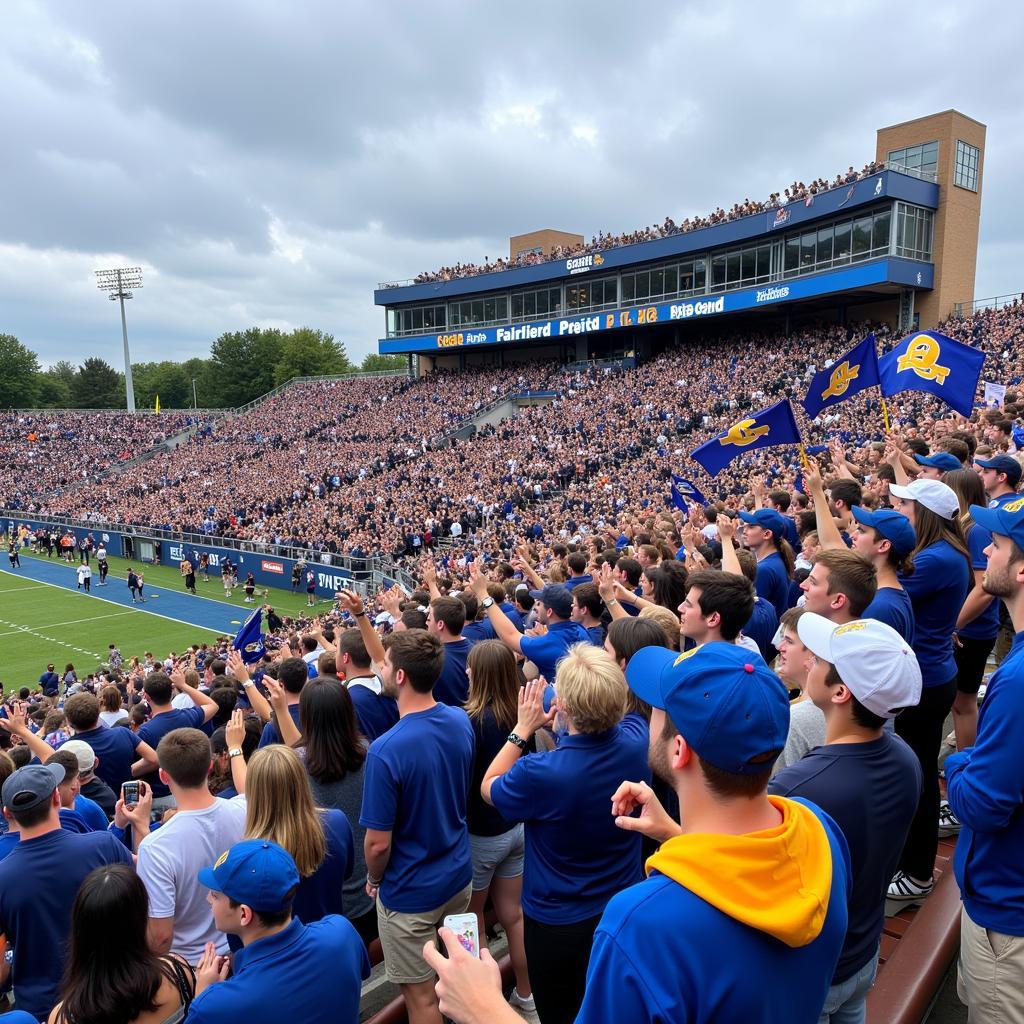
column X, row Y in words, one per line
column 602, row 241
column 634, row 716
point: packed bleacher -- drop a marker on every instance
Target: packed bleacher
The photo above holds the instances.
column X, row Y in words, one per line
column 597, row 716
column 603, row 241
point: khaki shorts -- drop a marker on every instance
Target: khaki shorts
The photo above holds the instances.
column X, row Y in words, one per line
column 403, row 936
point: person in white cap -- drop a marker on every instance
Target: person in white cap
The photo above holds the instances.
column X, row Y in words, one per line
column 862, row 673
column 937, row 588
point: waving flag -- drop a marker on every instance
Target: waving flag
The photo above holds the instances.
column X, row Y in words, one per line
column 772, row 426
column 930, row 362
column 249, row 639
column 848, row 376
column 683, row 491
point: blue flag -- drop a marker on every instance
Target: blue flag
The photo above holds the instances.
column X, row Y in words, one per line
column 772, row 426
column 683, row 490
column 846, row 377
column 930, row 362
column 249, row 639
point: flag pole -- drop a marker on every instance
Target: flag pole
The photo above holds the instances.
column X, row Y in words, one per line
column 885, row 416
column 803, row 456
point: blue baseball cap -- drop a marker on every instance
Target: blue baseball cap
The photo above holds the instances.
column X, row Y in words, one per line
column 724, row 700
column 256, row 872
column 894, row 526
column 557, row 597
column 767, row 519
column 1006, row 520
column 1003, row 464
column 940, row 460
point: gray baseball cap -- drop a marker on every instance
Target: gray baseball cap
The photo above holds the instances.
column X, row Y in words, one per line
column 32, row 785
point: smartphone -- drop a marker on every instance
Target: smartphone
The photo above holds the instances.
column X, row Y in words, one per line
column 130, row 793
column 465, row 928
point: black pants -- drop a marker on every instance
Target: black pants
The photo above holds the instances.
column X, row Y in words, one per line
column 921, row 728
column 558, row 956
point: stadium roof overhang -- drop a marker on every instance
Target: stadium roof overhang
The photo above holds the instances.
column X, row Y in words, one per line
column 863, row 282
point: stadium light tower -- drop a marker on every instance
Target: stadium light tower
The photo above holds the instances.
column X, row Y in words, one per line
column 118, row 284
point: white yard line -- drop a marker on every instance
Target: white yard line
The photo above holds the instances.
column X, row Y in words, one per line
column 68, row 622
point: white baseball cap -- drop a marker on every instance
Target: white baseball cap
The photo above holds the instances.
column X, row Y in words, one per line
column 872, row 659
column 933, row 494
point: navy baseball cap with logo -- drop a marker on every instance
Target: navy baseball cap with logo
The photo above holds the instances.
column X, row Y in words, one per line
column 1006, row 520
column 557, row 597
column 1003, row 464
column 724, row 700
column 256, row 872
column 767, row 519
column 894, row 526
column 940, row 460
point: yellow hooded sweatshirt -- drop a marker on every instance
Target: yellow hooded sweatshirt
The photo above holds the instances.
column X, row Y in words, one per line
column 777, row 880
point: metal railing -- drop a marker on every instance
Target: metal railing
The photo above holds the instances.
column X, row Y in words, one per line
column 913, row 172
column 995, row 302
column 358, row 375
column 121, row 412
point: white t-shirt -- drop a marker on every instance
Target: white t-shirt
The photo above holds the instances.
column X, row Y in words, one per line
column 84, row 573
column 169, row 860
column 111, row 718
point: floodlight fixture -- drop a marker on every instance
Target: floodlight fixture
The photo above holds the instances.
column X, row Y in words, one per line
column 119, row 284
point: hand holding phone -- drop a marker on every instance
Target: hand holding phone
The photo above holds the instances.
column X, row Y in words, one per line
column 130, row 793
column 466, row 930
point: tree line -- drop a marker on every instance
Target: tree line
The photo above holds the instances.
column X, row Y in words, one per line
column 242, row 365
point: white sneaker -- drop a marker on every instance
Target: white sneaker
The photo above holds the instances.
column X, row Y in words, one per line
column 949, row 824
column 904, row 892
column 522, row 1003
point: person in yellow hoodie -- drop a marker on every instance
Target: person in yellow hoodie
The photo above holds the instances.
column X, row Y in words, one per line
column 744, row 911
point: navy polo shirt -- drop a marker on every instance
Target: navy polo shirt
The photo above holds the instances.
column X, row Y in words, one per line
column 596, row 634
column 452, row 686
column 512, row 613
column 375, row 713
column 270, row 733
column 892, row 606
column 416, row 787
column 772, row 582
column 546, row 651
column 481, row 630
column 115, row 749
column 320, row 894
column 870, row 790
column 36, row 917
column 153, row 731
column 321, row 967
column 576, row 857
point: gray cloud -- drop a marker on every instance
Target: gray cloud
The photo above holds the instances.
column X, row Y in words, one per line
column 270, row 163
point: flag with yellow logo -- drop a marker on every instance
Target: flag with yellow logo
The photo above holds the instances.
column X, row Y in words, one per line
column 931, row 362
column 847, row 376
column 772, row 426
column 156, row 407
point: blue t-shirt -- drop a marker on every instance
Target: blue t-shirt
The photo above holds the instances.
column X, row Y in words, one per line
column 596, row 634
column 482, row 629
column 762, row 626
column 937, row 588
column 772, row 582
column 512, row 613
column 153, row 731
column 375, row 713
column 115, row 749
column 576, row 857
column 91, row 813
column 892, row 606
column 270, row 733
column 320, row 893
column 577, row 581
column 73, row 822
column 986, row 625
column 36, row 917
column 452, row 686
column 870, row 790
column 984, row 784
column 416, row 787
column 320, row 965
column 663, row 954
column 8, row 841
column 546, row 651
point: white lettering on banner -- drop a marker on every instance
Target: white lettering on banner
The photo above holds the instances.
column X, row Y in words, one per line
column 271, row 566
column 475, row 339
column 587, row 323
column 525, row 333
column 330, row 581
column 581, row 264
column 684, row 310
column 772, row 294
column 176, row 555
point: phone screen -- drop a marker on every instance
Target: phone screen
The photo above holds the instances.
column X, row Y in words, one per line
column 466, row 931
column 130, row 793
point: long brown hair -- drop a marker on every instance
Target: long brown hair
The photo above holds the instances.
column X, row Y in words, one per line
column 279, row 806
column 494, row 683
column 930, row 528
column 969, row 490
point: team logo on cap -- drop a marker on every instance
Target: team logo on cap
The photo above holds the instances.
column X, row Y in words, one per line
column 220, row 860
column 840, row 380
column 1014, row 506
column 850, row 627
column 687, row 654
column 741, row 434
column 921, row 356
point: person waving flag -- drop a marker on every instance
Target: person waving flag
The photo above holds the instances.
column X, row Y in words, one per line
column 847, row 376
column 249, row 640
column 930, row 362
column 772, row 426
column 684, row 491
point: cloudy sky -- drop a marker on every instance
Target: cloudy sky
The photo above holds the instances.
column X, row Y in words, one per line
column 269, row 162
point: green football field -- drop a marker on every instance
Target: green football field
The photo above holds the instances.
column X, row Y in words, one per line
column 41, row 623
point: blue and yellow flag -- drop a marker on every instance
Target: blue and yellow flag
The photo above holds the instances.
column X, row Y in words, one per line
column 846, row 377
column 249, row 639
column 931, row 362
column 772, row 426
column 683, row 491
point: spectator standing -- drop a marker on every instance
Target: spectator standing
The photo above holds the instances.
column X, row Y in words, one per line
column 292, row 674
column 446, row 617
column 50, row 682
column 765, row 535
column 374, row 712
column 91, row 785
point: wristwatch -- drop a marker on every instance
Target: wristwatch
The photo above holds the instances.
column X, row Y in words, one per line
column 516, row 740
column 246, row 683
column 486, row 603
column 235, row 752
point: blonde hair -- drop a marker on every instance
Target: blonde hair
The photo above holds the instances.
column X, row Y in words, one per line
column 667, row 620
column 591, row 688
column 279, row 806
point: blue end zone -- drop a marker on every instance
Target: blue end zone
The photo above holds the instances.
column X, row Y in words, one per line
column 165, row 604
